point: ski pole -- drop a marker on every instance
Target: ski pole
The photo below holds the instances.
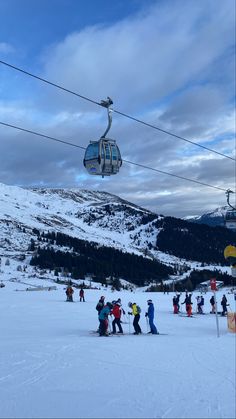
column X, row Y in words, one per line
column 129, row 325
column 109, row 326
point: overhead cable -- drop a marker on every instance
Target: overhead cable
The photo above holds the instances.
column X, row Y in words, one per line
column 116, row 111
column 126, row 161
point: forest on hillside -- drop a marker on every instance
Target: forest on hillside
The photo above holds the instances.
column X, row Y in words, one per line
column 80, row 257
column 191, row 241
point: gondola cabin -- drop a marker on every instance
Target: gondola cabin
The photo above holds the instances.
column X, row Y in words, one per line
column 102, row 158
column 230, row 219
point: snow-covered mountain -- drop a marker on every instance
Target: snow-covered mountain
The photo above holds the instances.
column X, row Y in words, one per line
column 88, row 215
column 94, row 216
column 212, row 218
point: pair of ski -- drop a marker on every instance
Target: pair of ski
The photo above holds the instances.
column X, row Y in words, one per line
column 185, row 315
column 94, row 332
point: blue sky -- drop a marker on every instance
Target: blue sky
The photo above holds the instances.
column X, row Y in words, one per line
column 49, row 21
column 168, row 62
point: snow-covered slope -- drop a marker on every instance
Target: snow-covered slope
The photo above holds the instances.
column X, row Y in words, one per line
column 94, row 216
column 53, row 367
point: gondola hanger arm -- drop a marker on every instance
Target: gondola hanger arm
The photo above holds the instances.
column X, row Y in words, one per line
column 228, row 192
column 106, row 104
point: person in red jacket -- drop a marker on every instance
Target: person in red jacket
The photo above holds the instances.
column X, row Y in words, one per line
column 116, row 311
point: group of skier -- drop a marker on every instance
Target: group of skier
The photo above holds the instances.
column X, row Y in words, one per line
column 115, row 309
column 70, row 292
column 200, row 304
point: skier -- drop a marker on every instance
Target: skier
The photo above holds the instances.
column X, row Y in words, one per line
column 150, row 315
column 188, row 304
column 69, row 293
column 103, row 318
column 81, row 295
column 119, row 302
column 224, row 305
column 177, row 299
column 202, row 303
column 175, row 304
column 116, row 311
column 199, row 305
column 99, row 308
column 212, row 302
column 136, row 313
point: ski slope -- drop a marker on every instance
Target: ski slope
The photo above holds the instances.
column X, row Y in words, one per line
column 51, row 366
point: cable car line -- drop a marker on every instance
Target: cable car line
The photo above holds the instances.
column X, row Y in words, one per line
column 41, row 135
column 174, row 135
column 51, row 83
column 116, row 111
column 126, row 161
column 172, row 174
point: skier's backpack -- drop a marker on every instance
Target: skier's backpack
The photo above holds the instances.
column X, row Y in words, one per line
column 138, row 309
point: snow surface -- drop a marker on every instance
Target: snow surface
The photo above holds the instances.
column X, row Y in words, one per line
column 51, row 366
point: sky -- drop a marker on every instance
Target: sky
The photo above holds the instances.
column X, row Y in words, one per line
column 169, row 63
column 53, row 366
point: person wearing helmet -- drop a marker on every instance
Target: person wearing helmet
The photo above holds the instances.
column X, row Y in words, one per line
column 188, row 304
column 136, row 313
column 99, row 307
column 119, row 302
column 103, row 319
column 150, row 315
column 116, row 312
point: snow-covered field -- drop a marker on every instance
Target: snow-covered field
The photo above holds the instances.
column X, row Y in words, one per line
column 51, row 366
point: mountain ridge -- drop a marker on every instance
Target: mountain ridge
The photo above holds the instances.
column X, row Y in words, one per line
column 104, row 219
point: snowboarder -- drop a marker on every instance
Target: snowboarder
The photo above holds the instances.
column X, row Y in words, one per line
column 136, row 313
column 150, row 315
column 103, row 318
column 116, row 311
column 224, row 305
column 81, row 295
column 212, row 302
column 69, row 293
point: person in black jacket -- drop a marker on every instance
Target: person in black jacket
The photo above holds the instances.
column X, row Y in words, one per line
column 224, row 305
column 212, row 302
column 188, row 304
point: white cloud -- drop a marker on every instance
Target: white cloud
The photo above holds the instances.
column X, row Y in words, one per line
column 172, row 67
column 6, row 48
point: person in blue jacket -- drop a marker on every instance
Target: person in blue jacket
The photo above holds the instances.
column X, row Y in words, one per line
column 150, row 315
column 103, row 318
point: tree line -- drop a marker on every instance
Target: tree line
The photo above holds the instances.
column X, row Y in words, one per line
column 191, row 241
column 80, row 257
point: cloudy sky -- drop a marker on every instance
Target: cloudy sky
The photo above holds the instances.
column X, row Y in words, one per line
column 170, row 63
